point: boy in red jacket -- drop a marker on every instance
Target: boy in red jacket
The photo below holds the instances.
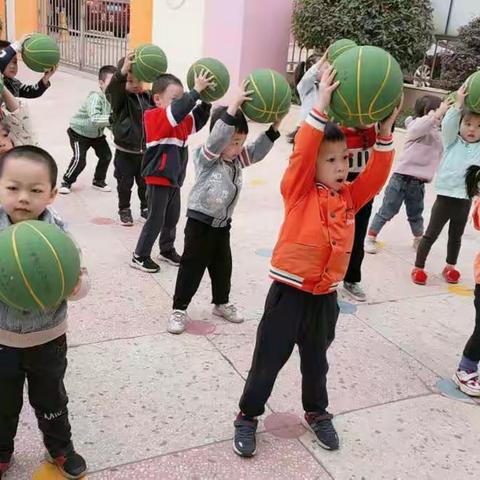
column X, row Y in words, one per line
column 309, row 260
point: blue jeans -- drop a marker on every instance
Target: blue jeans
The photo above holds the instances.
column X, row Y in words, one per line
column 401, row 188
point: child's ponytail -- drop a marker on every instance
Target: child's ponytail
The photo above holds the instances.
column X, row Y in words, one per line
column 472, row 179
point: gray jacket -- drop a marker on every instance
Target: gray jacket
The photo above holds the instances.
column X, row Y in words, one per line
column 218, row 182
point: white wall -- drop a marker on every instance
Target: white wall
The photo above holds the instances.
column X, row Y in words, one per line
column 462, row 12
column 178, row 30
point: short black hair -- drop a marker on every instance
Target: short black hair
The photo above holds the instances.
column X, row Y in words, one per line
column 425, row 104
column 35, row 154
column 333, row 133
column 240, row 122
column 162, row 82
column 472, row 180
column 105, row 71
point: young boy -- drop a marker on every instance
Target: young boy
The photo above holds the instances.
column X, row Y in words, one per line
column 9, row 69
column 309, row 260
column 167, row 127
column 218, row 166
column 86, row 131
column 33, row 344
column 129, row 101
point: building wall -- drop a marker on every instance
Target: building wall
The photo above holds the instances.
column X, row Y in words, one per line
column 26, row 20
column 462, row 12
column 141, row 22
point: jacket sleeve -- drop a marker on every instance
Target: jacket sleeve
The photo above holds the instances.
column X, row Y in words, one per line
column 450, row 126
column 307, row 83
column 476, row 214
column 33, row 91
column 422, row 126
column 299, row 176
column 201, row 114
column 219, row 138
column 116, row 94
column 179, row 109
column 98, row 116
column 258, row 150
column 375, row 174
column 6, row 56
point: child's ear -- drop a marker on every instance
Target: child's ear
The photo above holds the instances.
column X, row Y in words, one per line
column 53, row 194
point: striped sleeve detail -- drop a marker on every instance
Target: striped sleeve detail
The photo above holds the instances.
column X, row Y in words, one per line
column 317, row 119
column 285, row 277
column 194, row 127
column 170, row 117
column 245, row 158
column 208, row 154
column 384, row 144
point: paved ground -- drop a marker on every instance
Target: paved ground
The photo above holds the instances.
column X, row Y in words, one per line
column 148, row 405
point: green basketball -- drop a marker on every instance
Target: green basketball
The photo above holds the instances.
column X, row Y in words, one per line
column 150, row 62
column 271, row 96
column 371, row 84
column 339, row 47
column 40, row 52
column 215, row 69
column 472, row 100
column 39, row 266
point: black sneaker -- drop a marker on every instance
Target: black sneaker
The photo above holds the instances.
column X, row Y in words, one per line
column 244, row 443
column 143, row 214
column 126, row 218
column 102, row 186
column 323, row 428
column 145, row 264
column 71, row 465
column 171, row 257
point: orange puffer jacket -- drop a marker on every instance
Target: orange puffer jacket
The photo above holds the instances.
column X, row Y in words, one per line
column 316, row 238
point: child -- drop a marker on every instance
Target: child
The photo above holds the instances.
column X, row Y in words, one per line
column 129, row 101
column 86, row 131
column 33, row 344
column 415, row 167
column 218, row 166
column 9, row 69
column 309, row 260
column 461, row 141
column 167, row 127
column 466, row 376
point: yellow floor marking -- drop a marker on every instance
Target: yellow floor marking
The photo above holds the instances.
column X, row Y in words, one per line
column 461, row 290
column 255, row 182
column 49, row 472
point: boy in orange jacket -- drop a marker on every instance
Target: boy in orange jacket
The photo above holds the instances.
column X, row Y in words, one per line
column 309, row 260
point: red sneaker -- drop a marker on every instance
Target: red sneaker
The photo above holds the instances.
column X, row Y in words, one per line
column 4, row 466
column 419, row 276
column 451, row 275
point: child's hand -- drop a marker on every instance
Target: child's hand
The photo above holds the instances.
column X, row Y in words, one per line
column 326, row 88
column 386, row 125
column 18, row 45
column 442, row 109
column 322, row 65
column 82, row 286
column 127, row 64
column 203, row 81
column 48, row 75
column 461, row 94
column 241, row 95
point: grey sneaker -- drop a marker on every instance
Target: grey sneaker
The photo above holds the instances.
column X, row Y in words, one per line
column 371, row 245
column 126, row 218
column 355, row 291
column 227, row 311
column 177, row 322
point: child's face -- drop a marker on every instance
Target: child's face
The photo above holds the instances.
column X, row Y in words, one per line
column 332, row 164
column 105, row 83
column 470, row 128
column 134, row 85
column 171, row 93
column 25, row 189
column 234, row 147
column 11, row 69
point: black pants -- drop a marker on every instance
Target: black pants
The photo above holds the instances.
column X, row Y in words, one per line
column 128, row 169
column 206, row 247
column 44, row 368
column 445, row 209
column 80, row 146
column 163, row 214
column 472, row 348
column 292, row 317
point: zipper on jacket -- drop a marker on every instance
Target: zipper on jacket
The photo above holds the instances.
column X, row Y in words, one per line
column 236, row 191
column 142, row 124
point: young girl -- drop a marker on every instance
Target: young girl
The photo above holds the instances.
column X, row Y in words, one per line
column 466, row 376
column 415, row 167
column 461, row 141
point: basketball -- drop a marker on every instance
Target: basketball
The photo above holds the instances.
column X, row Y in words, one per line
column 39, row 266
column 40, row 53
column 472, row 100
column 271, row 96
column 371, row 84
column 215, row 69
column 150, row 61
column 338, row 47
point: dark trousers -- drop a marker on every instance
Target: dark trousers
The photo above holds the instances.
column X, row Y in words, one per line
column 445, row 209
column 206, row 248
column 44, row 368
column 292, row 317
column 128, row 169
column 80, row 146
column 163, row 214
column 472, row 348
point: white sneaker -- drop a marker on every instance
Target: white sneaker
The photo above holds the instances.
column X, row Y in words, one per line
column 416, row 242
column 371, row 245
column 227, row 311
column 65, row 189
column 467, row 382
column 177, row 321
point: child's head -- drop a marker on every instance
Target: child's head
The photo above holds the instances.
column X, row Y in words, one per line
column 11, row 69
column 472, row 181
column 165, row 89
column 470, row 126
column 28, row 176
column 425, row 104
column 332, row 158
column 235, row 146
column 133, row 85
column 105, row 76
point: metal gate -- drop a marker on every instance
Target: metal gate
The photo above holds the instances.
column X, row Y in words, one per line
column 90, row 33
